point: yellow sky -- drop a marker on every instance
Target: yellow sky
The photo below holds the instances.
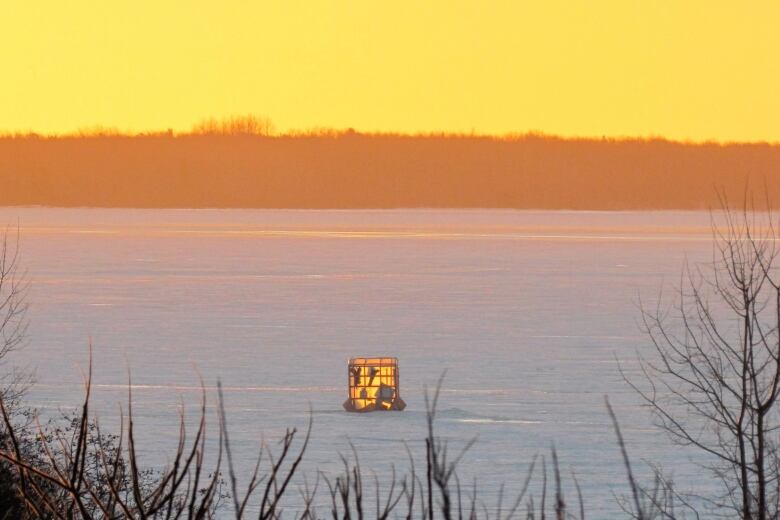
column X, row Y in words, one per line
column 681, row 69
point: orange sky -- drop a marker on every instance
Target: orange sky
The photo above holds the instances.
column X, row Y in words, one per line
column 685, row 70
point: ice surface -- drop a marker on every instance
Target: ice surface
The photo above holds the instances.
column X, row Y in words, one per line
column 527, row 312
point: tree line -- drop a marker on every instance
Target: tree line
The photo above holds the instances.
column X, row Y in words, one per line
column 243, row 164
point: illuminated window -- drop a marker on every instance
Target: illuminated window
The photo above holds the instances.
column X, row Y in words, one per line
column 373, row 385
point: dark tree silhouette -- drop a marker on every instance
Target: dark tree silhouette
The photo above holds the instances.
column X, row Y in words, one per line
column 714, row 379
column 13, row 313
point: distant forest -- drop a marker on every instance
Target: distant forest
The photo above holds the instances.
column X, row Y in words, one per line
column 253, row 169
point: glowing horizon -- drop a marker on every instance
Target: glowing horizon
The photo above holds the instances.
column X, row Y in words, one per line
column 692, row 71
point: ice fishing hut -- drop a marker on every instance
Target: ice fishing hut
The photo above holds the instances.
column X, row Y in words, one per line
column 373, row 385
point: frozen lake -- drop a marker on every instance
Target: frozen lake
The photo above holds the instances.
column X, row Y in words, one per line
column 527, row 312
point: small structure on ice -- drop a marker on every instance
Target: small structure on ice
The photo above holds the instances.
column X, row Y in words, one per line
column 373, row 385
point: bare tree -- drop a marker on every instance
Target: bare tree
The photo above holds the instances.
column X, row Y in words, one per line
column 13, row 313
column 714, row 379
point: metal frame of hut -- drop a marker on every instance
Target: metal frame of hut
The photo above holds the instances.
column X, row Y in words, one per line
column 372, row 384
